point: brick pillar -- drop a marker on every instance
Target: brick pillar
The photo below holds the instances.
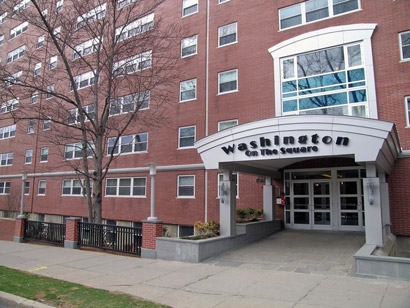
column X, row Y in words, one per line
column 72, row 232
column 150, row 231
column 19, row 229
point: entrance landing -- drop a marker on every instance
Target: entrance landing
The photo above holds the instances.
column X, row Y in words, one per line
column 300, row 251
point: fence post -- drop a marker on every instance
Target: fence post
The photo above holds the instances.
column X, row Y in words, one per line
column 72, row 232
column 19, row 229
column 151, row 229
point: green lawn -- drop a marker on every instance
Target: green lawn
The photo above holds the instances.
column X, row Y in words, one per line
column 64, row 294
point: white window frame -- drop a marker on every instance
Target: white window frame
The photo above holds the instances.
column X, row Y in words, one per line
column 1, row 39
column 92, row 15
column 220, row 76
column 132, row 64
column 222, row 1
column 187, row 44
column 86, row 48
column 181, row 185
column 128, row 144
column 34, row 97
column 28, row 157
column 26, row 187
column 3, row 18
column 109, row 187
column 6, row 159
column 10, row 105
column 31, row 126
column 189, row 7
column 40, row 41
column 84, row 80
column 187, row 86
column 21, row 6
column 43, row 155
column 135, row 28
column 37, row 69
column 228, row 30
column 42, row 187
column 16, row 31
column 74, row 114
column 407, row 108
column 235, row 179
column 129, row 103
column 5, row 188
column 13, row 79
column 181, row 137
column 74, row 184
column 124, row 3
column 53, row 62
column 50, row 91
column 7, row 132
column 402, row 46
column 75, row 150
column 227, row 123
column 59, row 6
column 47, row 123
column 16, row 54
column 57, row 32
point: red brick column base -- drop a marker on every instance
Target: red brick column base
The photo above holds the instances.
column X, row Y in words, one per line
column 19, row 229
column 72, row 232
column 150, row 231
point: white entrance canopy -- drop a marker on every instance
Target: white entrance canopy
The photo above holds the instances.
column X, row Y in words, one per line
column 263, row 147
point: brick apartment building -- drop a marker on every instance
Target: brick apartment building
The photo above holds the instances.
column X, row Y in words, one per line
column 312, row 95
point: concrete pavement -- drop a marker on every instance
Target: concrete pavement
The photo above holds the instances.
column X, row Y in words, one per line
column 221, row 282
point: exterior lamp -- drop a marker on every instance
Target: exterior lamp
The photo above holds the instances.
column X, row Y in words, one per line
column 23, row 184
column 370, row 192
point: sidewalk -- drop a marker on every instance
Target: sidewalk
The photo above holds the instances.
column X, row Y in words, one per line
column 204, row 285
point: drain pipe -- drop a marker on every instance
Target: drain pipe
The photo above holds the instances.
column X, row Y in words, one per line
column 206, row 105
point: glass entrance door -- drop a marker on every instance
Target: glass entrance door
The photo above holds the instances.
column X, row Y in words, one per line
column 351, row 205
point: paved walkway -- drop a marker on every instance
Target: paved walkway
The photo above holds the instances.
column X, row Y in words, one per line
column 309, row 275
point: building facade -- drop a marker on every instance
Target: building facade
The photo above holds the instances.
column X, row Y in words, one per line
column 311, row 97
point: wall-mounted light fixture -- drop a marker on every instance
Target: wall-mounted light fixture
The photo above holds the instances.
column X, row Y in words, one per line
column 370, row 192
column 222, row 192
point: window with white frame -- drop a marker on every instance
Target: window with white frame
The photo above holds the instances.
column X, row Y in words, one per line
column 42, row 184
column 123, row 3
column 21, row 6
column 30, row 126
column 10, row 105
column 6, row 159
column 187, row 90
column 227, row 124
column 75, row 150
column 28, row 157
column 37, row 69
column 130, row 103
column 327, row 81
column 83, row 80
column 49, row 91
column 40, row 41
column 228, row 81
column 16, row 31
column 407, row 106
column 134, row 28
column 235, row 179
column 74, row 116
column 1, row 39
column 128, row 144
column 59, row 6
column 404, row 39
column 47, row 123
column 186, row 186
column 13, row 79
column 4, row 188
column 43, row 155
column 16, row 54
column 189, row 7
column 186, row 137
column 126, row 187
column 53, row 62
column 57, row 32
column 44, row 13
column 189, row 46
column 227, row 34
column 222, row 1
column 8, row 131
column 73, row 187
column 132, row 64
column 86, row 48
column 34, row 97
column 26, row 187
column 91, row 16
column 313, row 10
column 3, row 17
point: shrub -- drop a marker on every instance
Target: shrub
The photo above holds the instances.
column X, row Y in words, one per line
column 207, row 229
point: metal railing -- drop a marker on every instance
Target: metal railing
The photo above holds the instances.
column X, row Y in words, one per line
column 45, row 232
column 109, row 237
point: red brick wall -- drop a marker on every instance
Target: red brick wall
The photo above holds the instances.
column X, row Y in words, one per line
column 150, row 232
column 6, row 229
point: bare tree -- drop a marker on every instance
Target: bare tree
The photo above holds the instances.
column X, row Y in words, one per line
column 94, row 71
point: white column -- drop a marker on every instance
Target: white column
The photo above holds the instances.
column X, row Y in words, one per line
column 268, row 200
column 152, row 173
column 227, row 205
column 385, row 204
column 23, row 185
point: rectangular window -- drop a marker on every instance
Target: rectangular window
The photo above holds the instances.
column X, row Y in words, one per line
column 404, row 39
column 126, row 187
column 7, row 132
column 134, row 28
column 1, row 39
column 4, row 188
column 59, row 6
column 16, row 31
column 74, row 115
column 34, row 97
column 42, row 187
column 37, row 69
column 43, row 155
column 30, row 126
column 47, row 123
column 57, row 32
column 40, row 41
column 187, row 90
column 128, row 144
column 53, row 62
column 234, row 178
column 189, row 7
column 13, row 79
column 130, row 103
column 91, row 16
column 228, row 81
column 222, row 1
column 3, row 18
column 73, row 188
column 227, row 124
column 21, row 6
column 407, row 105
column 16, row 54
column 189, row 46
column 186, row 186
column 49, row 91
column 10, row 105
column 28, row 158
column 75, row 150
column 132, row 64
column 86, row 48
column 6, row 159
column 186, row 137
column 84, row 80
column 227, row 34
column 122, row 3
column 26, row 187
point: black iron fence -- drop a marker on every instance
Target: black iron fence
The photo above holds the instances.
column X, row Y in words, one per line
column 109, row 237
column 46, row 232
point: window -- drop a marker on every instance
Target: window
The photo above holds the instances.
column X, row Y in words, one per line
column 312, row 10
column 44, row 13
column 132, row 64
column 57, row 32
column 7, row 132
column 91, row 16
column 407, row 105
column 404, row 39
column 6, row 159
column 134, row 28
column 189, row 46
column 222, row 1
column 1, row 39
column 74, row 116
column 43, row 155
column 187, row 90
column 30, row 126
column 28, row 158
column 34, row 97
column 49, row 91
column 128, row 144
column 59, row 6
column 13, row 79
column 47, row 123
column 186, row 137
column 26, row 187
column 227, row 124
column 9, row 106
column 40, row 41
column 186, row 186
column 228, row 81
column 3, row 18
column 227, row 34
column 130, row 103
column 122, row 3
column 16, row 31
column 84, row 80
column 75, row 150
column 53, row 62
column 328, row 81
column 21, row 6
column 86, row 48
column 37, row 69
column 73, row 188
column 235, row 180
column 189, row 7
column 4, row 188
column 16, row 54
column 42, row 187
column 127, row 187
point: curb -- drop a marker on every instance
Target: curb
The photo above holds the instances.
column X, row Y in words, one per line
column 13, row 301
